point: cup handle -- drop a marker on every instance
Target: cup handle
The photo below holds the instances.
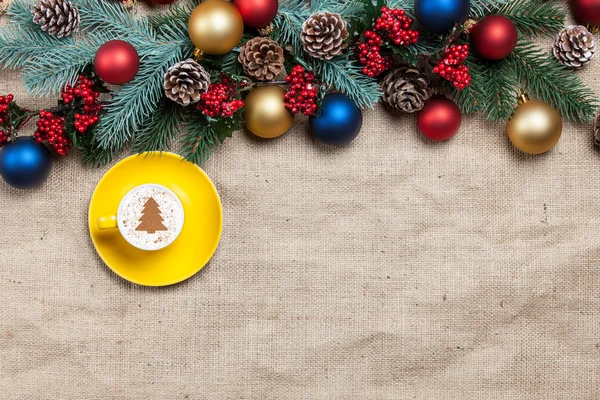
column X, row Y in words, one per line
column 107, row 222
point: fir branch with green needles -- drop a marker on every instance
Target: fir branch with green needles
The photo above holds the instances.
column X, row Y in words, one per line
column 534, row 17
column 136, row 101
column 470, row 99
column 159, row 131
column 204, row 136
column 499, row 98
column 545, row 78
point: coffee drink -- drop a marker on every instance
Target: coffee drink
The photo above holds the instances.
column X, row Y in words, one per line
column 150, row 217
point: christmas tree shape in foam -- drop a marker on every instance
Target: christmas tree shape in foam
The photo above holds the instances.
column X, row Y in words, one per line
column 151, row 220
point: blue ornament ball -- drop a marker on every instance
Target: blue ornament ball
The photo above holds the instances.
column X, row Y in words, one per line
column 25, row 163
column 439, row 16
column 339, row 122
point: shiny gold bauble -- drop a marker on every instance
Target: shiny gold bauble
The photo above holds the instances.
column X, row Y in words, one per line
column 265, row 114
column 535, row 127
column 215, row 26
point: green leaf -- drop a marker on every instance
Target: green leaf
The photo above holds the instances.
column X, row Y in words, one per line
column 18, row 115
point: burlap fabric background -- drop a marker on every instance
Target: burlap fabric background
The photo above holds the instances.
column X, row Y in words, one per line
column 393, row 268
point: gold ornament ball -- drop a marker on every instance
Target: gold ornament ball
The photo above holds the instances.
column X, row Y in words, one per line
column 535, row 127
column 265, row 114
column 215, row 26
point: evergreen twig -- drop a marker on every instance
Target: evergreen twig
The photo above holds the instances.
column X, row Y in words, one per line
column 160, row 129
column 535, row 17
column 200, row 139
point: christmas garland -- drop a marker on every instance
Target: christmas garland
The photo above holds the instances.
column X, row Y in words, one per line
column 198, row 72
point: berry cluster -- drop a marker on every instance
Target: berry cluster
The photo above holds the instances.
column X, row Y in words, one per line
column 394, row 26
column 4, row 118
column 369, row 55
column 83, row 90
column 302, row 91
column 52, row 129
column 451, row 66
column 219, row 100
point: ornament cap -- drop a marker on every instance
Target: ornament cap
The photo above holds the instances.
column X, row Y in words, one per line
column 469, row 25
column 523, row 97
column 593, row 28
column 198, row 54
column 266, row 31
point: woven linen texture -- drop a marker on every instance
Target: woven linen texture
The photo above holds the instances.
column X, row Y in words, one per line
column 393, row 268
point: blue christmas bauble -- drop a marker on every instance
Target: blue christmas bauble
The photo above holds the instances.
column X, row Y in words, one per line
column 439, row 16
column 339, row 122
column 25, row 163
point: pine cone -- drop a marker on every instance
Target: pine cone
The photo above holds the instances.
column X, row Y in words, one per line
column 574, row 46
column 323, row 35
column 261, row 58
column 185, row 81
column 406, row 89
column 57, row 17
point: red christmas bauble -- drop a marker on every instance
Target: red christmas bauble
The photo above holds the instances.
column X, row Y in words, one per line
column 257, row 13
column 439, row 119
column 116, row 62
column 494, row 37
column 587, row 11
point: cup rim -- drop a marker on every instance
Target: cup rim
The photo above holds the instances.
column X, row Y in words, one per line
column 121, row 228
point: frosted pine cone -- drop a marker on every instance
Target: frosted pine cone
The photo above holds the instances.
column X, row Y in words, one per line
column 323, row 35
column 574, row 46
column 261, row 58
column 185, row 81
column 56, row 17
column 406, row 89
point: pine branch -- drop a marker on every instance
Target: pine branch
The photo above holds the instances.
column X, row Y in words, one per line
column 137, row 100
column 347, row 77
column 535, row 17
column 178, row 12
column 200, row 140
column 548, row 80
column 346, row 8
column 19, row 13
column 18, row 45
column 480, row 8
column 470, row 99
column 160, row 129
column 499, row 98
column 48, row 73
column 111, row 19
column 288, row 23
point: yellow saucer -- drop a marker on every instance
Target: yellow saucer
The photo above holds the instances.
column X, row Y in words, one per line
column 197, row 241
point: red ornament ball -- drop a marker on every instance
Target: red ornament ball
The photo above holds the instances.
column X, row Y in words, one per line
column 257, row 13
column 587, row 11
column 439, row 119
column 494, row 37
column 116, row 62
